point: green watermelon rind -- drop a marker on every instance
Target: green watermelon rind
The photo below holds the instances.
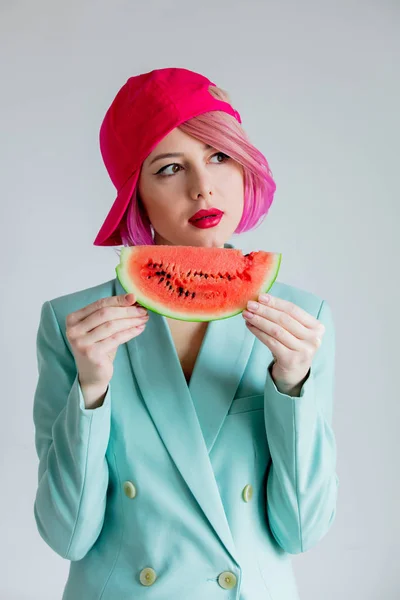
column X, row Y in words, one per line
column 141, row 299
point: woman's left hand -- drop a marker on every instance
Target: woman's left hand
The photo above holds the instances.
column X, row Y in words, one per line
column 292, row 335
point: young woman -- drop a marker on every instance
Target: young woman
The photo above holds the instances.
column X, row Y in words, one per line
column 197, row 459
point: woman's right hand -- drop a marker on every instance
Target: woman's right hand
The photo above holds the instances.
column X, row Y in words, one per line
column 95, row 332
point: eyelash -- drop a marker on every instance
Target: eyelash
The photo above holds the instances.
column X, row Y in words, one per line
column 160, row 172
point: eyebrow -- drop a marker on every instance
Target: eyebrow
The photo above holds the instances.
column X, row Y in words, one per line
column 175, row 154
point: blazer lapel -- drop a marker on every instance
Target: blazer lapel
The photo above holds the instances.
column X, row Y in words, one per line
column 217, row 373
column 188, row 418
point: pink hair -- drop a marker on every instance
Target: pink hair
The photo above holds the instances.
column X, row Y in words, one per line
column 225, row 133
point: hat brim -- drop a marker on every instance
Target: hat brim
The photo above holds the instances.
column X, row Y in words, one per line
column 109, row 233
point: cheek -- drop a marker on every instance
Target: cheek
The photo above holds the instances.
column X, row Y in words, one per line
column 161, row 210
column 236, row 179
column 235, row 187
column 152, row 197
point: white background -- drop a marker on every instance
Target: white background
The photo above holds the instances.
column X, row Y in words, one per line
column 317, row 86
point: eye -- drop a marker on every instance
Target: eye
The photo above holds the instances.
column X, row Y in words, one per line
column 226, row 157
column 162, row 171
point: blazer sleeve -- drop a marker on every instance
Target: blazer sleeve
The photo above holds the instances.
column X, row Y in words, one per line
column 71, row 443
column 302, row 484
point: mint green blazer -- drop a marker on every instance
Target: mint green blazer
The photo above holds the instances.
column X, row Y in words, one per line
column 196, row 492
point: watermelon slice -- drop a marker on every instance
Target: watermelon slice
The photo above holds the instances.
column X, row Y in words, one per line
column 192, row 283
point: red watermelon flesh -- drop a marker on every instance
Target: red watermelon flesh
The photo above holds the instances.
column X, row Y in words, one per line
column 193, row 283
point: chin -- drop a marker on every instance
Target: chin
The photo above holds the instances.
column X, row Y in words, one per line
column 207, row 239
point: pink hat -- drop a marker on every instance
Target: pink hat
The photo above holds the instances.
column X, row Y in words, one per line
column 144, row 111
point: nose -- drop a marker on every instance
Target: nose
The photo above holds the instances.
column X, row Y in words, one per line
column 201, row 186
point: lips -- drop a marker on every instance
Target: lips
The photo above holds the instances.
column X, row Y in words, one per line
column 201, row 214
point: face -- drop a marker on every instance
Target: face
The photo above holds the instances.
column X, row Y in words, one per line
column 173, row 189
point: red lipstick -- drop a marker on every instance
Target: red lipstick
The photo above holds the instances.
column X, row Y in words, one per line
column 205, row 215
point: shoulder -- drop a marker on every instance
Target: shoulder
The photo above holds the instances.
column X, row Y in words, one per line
column 67, row 303
column 307, row 300
column 312, row 303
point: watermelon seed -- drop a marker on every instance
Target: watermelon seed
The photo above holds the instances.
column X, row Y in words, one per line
column 161, row 280
column 193, row 294
column 206, row 275
column 169, row 275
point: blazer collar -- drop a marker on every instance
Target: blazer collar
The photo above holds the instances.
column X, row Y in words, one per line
column 188, row 418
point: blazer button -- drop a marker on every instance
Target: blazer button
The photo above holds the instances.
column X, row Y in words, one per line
column 147, row 576
column 227, row 580
column 129, row 489
column 247, row 492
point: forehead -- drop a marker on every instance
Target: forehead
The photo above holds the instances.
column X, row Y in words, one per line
column 176, row 141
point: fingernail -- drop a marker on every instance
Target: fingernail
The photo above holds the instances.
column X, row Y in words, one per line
column 252, row 305
column 264, row 298
column 129, row 297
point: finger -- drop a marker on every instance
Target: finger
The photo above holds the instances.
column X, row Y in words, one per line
column 111, row 343
column 280, row 320
column 108, row 301
column 109, row 314
column 281, row 339
column 279, row 351
column 110, row 328
column 276, row 332
column 103, row 315
column 293, row 310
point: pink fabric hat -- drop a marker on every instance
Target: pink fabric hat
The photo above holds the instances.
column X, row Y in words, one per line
column 144, row 111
